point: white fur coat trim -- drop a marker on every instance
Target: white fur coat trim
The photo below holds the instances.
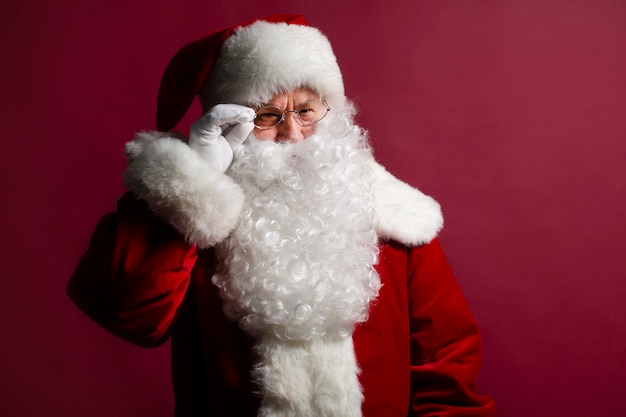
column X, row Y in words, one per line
column 204, row 204
column 313, row 378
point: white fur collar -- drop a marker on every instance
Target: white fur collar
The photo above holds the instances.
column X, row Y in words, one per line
column 204, row 205
column 405, row 214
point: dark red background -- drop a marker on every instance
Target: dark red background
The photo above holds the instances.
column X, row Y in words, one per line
column 511, row 113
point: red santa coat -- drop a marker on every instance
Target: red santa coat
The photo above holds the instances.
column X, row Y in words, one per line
column 419, row 351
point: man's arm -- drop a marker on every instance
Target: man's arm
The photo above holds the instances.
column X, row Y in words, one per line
column 134, row 275
column 445, row 341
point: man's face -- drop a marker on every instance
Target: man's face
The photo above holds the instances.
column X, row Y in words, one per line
column 290, row 129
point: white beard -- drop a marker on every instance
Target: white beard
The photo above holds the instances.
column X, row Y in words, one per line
column 299, row 268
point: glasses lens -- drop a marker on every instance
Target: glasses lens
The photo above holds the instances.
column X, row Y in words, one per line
column 312, row 112
column 268, row 117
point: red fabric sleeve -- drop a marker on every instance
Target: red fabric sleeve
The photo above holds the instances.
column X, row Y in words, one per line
column 445, row 341
column 134, row 274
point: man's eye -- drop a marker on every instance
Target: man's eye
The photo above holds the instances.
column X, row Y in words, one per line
column 268, row 115
column 307, row 114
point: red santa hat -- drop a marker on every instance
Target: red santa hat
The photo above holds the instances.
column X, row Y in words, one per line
column 248, row 64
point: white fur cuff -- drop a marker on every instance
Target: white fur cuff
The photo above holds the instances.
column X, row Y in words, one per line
column 200, row 202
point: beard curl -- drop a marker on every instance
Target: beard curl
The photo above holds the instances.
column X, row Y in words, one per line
column 300, row 263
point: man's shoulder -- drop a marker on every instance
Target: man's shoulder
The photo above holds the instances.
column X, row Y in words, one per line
column 405, row 214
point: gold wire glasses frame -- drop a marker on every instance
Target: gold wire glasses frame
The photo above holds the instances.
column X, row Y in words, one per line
column 307, row 114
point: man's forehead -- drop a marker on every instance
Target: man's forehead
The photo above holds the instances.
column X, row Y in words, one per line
column 295, row 97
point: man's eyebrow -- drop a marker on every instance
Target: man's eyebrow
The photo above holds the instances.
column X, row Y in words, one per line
column 264, row 105
column 303, row 102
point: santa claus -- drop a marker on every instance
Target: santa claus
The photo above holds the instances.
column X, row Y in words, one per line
column 293, row 273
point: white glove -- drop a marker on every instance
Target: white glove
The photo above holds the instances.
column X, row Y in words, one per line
column 216, row 133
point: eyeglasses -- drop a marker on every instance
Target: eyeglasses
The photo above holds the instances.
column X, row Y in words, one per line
column 307, row 114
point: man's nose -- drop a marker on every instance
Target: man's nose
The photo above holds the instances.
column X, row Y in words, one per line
column 290, row 130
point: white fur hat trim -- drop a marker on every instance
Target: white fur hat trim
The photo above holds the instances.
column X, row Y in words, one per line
column 264, row 59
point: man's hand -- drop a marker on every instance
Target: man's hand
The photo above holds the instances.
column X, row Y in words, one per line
column 216, row 133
